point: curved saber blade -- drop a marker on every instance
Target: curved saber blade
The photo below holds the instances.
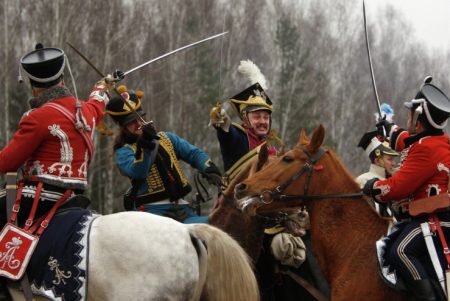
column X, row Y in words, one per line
column 173, row 51
column 370, row 63
column 86, row 59
column 103, row 76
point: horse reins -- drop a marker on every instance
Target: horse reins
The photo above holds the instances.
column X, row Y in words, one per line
column 308, row 167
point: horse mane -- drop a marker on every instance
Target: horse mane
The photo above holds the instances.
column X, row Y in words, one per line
column 345, row 172
column 253, row 165
column 343, row 229
column 242, row 175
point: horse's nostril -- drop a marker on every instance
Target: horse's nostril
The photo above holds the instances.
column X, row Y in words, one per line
column 241, row 187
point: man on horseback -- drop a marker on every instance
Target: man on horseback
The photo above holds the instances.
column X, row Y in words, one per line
column 240, row 142
column 421, row 182
column 53, row 145
column 382, row 158
column 382, row 164
column 151, row 160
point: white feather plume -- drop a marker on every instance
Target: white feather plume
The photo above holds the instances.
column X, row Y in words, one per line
column 253, row 73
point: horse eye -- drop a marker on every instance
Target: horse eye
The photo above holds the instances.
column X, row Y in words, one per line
column 288, row 159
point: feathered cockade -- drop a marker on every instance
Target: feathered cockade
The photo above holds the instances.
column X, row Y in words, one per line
column 254, row 97
column 253, row 73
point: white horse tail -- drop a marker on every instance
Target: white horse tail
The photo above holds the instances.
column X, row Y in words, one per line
column 229, row 271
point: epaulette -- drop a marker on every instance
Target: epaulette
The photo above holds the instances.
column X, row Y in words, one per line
column 239, row 127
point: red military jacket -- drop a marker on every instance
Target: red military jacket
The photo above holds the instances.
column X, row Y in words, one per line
column 424, row 169
column 47, row 143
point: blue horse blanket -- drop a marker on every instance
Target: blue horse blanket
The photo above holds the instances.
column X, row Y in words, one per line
column 58, row 267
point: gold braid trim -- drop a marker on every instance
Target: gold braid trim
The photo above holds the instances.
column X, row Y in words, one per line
column 166, row 143
column 154, row 180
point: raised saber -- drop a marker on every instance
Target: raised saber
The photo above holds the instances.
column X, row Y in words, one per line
column 103, row 76
column 172, row 52
column 370, row 64
column 86, row 60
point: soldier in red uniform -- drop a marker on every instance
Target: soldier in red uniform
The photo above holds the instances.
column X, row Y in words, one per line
column 424, row 172
column 53, row 145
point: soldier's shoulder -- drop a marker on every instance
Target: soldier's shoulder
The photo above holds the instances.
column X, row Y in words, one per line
column 239, row 127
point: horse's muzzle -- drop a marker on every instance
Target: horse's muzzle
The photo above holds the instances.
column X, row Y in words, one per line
column 249, row 205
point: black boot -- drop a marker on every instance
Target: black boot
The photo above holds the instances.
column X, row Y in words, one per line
column 4, row 293
column 421, row 290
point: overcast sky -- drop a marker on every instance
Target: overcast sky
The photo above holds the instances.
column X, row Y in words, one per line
column 431, row 18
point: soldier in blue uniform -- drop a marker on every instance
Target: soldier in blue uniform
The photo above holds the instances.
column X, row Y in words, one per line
column 151, row 160
column 240, row 142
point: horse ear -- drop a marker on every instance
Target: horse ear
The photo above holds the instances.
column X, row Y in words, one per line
column 303, row 139
column 316, row 139
column 263, row 155
column 282, row 151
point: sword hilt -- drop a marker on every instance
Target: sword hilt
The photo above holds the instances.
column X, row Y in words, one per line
column 116, row 77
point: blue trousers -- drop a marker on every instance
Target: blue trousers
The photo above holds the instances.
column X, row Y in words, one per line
column 408, row 253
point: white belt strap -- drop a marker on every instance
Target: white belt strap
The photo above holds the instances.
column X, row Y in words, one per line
column 428, row 236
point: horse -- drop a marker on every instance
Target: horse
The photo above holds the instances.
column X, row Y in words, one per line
column 249, row 232
column 141, row 256
column 344, row 227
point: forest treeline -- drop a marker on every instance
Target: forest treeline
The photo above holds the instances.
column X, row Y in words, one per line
column 312, row 53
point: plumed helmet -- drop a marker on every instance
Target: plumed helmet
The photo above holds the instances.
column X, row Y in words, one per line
column 373, row 147
column 431, row 105
column 119, row 111
column 43, row 66
column 253, row 98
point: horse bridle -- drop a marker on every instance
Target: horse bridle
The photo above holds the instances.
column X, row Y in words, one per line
column 308, row 167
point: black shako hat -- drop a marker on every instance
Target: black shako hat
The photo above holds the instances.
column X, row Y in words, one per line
column 435, row 105
column 119, row 111
column 43, row 66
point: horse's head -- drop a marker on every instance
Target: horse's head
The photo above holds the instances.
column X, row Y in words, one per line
column 291, row 179
column 251, row 167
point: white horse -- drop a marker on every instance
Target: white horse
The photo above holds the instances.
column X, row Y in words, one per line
column 141, row 256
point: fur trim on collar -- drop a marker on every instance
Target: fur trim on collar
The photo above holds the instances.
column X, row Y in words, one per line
column 49, row 95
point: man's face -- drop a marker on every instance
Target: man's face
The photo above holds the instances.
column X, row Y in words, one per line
column 259, row 121
column 388, row 162
column 134, row 127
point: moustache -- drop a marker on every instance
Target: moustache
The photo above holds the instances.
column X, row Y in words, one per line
column 261, row 126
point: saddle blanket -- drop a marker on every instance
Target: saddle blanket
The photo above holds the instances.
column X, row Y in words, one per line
column 58, row 267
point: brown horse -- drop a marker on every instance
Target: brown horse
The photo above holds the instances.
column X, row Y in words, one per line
column 249, row 232
column 246, row 229
column 344, row 227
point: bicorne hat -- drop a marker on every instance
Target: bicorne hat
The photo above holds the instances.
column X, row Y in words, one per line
column 43, row 66
column 119, row 111
column 373, row 147
column 252, row 98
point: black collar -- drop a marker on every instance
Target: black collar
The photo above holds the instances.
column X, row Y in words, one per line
column 413, row 139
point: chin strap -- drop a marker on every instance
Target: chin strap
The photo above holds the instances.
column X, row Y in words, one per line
column 81, row 123
column 423, row 107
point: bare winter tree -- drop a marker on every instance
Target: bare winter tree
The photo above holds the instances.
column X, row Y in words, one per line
column 311, row 52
